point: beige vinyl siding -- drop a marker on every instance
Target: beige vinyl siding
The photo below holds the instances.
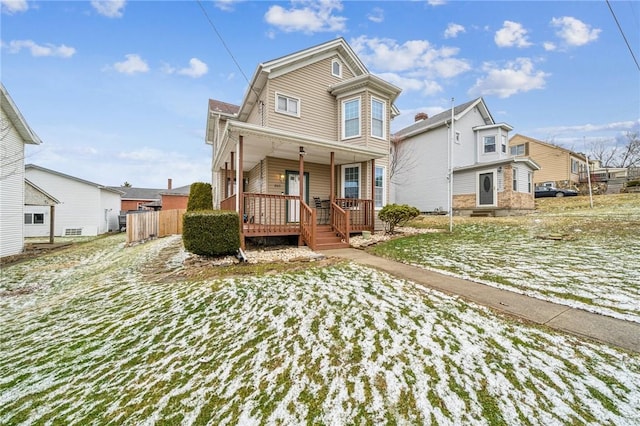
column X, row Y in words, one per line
column 317, row 106
column 319, row 176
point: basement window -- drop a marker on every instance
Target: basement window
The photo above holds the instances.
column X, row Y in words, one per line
column 72, row 232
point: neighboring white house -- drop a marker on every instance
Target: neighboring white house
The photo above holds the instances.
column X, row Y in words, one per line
column 15, row 133
column 486, row 176
column 85, row 208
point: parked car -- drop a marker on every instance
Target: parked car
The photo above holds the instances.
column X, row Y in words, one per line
column 550, row 191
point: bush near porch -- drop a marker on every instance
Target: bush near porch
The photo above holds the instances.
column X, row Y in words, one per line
column 211, row 233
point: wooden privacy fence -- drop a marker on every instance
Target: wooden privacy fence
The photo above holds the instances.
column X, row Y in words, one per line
column 146, row 225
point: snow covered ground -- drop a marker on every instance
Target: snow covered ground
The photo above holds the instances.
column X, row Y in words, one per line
column 588, row 261
column 102, row 334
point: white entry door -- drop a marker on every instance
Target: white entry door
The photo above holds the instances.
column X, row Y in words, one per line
column 293, row 188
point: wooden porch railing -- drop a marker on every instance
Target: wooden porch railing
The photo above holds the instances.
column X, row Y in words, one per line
column 361, row 213
column 270, row 214
column 308, row 225
column 228, row 203
column 340, row 221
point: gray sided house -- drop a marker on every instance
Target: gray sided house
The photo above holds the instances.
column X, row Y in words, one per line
column 16, row 133
column 487, row 179
column 317, row 114
column 85, row 208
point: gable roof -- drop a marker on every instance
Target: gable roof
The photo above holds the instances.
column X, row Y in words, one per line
column 26, row 133
column 296, row 60
column 36, row 196
column 444, row 117
column 131, row 193
column 86, row 182
column 223, row 107
column 550, row 145
column 181, row 190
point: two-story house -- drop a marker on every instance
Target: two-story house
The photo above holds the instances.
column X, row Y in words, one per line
column 559, row 167
column 468, row 144
column 317, row 114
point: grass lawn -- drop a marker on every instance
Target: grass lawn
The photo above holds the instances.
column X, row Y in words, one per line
column 566, row 252
column 102, row 334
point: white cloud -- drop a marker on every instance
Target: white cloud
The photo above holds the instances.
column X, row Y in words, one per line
column 196, row 68
column 386, row 55
column 307, row 16
column 574, row 32
column 14, row 6
column 408, row 83
column 516, row 77
column 133, row 64
column 36, row 49
column 617, row 126
column 453, row 30
column 549, row 46
column 109, row 8
column 436, row 2
column 226, row 5
column 376, row 15
column 511, row 34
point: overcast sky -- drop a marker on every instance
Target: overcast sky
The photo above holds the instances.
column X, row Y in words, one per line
column 118, row 90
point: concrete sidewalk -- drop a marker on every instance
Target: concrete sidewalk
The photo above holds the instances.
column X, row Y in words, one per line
column 620, row 333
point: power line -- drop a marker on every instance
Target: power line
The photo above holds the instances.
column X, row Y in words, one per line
column 623, row 36
column 227, row 47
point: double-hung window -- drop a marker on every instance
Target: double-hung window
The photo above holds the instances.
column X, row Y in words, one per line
column 351, row 118
column 351, row 181
column 377, row 118
column 518, row 149
column 287, row 105
column 504, row 144
column 489, row 144
column 515, row 179
column 529, row 181
column 379, row 198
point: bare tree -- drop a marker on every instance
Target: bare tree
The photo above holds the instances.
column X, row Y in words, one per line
column 401, row 159
column 623, row 153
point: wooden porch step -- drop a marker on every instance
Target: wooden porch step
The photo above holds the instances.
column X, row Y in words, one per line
column 327, row 239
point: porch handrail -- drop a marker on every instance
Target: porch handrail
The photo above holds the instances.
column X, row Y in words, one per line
column 228, row 203
column 340, row 221
column 362, row 213
column 308, row 225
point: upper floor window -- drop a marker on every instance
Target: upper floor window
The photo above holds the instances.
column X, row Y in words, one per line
column 575, row 166
column 336, row 68
column 489, row 144
column 504, row 144
column 287, row 105
column 518, row 149
column 377, row 118
column 351, row 118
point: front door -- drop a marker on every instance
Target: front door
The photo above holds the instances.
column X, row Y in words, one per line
column 293, row 188
column 485, row 189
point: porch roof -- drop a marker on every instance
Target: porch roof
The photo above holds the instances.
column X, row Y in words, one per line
column 260, row 142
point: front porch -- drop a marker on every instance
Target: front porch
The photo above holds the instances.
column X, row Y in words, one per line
column 261, row 181
column 267, row 215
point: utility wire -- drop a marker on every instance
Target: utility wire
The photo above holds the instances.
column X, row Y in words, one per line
column 623, row 36
column 227, row 48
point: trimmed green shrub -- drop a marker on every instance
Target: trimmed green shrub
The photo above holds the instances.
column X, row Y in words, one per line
column 200, row 197
column 397, row 215
column 211, row 232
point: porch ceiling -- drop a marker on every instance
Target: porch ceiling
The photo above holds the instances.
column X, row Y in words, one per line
column 260, row 142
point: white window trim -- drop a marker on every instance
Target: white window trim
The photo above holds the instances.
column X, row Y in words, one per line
column 335, row 61
column 342, row 171
column 384, row 187
column 278, row 95
column 343, row 120
column 495, row 188
column 484, row 145
column 503, row 144
column 384, row 115
column 514, row 179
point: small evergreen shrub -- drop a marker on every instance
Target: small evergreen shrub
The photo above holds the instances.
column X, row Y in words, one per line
column 200, row 197
column 211, row 232
column 633, row 183
column 397, row 215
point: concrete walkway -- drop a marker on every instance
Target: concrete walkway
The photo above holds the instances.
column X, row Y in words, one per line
column 620, row 333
